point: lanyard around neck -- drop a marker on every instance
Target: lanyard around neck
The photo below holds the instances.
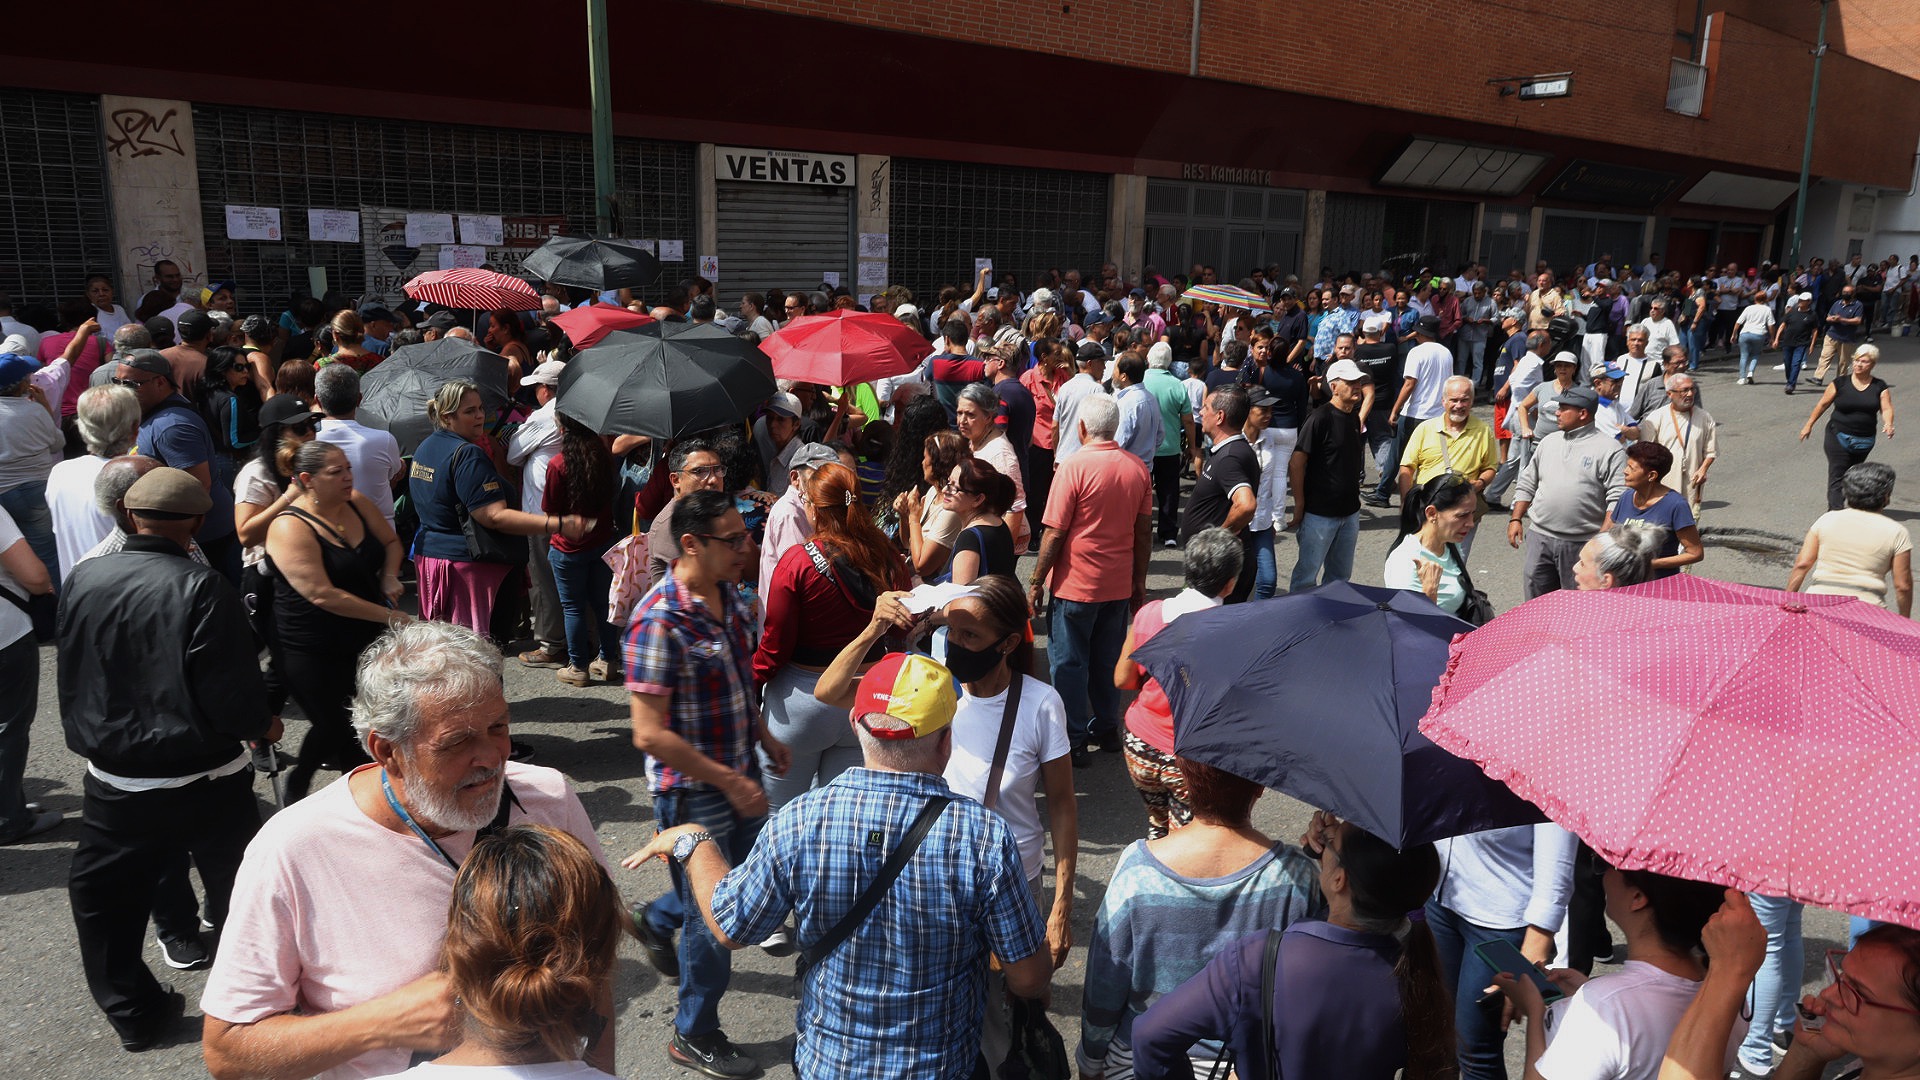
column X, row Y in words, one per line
column 394, row 802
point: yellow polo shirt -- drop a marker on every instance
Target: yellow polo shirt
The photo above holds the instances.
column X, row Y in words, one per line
column 1432, row 451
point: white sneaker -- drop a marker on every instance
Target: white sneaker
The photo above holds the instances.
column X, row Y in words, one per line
column 779, row 943
column 1779, row 367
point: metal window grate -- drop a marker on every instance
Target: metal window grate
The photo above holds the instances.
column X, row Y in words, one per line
column 298, row 160
column 1369, row 232
column 54, row 224
column 946, row 214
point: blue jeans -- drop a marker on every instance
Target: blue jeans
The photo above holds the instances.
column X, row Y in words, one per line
column 1751, row 346
column 1478, row 1026
column 1777, row 986
column 1266, row 574
column 583, row 579
column 1082, row 649
column 1696, row 338
column 1383, row 443
column 1519, row 452
column 1796, row 359
column 1326, row 550
column 27, row 505
column 706, row 968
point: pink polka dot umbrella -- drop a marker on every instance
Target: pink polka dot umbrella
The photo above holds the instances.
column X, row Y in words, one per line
column 1765, row 740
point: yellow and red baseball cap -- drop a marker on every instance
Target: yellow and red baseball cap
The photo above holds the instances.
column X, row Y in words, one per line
column 912, row 689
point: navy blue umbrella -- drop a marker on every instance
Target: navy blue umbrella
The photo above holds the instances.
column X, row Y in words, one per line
column 1319, row 695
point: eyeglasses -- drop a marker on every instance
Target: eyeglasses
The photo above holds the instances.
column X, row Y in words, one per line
column 1849, row 993
column 705, row 472
column 738, row 541
column 951, row 488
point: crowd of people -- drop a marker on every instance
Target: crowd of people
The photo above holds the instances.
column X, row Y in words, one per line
column 841, row 761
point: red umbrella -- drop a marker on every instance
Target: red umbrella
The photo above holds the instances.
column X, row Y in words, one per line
column 589, row 323
column 475, row 289
column 1765, row 740
column 842, row 348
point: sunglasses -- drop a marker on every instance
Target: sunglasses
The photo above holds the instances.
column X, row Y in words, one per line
column 304, row 427
column 131, row 384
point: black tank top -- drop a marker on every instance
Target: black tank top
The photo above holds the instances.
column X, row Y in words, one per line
column 356, row 569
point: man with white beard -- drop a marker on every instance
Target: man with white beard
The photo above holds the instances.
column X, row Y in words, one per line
column 329, row 963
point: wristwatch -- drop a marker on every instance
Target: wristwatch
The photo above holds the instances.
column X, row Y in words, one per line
column 683, row 847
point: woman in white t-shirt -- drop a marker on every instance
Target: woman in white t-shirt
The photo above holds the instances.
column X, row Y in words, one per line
column 1751, row 328
column 529, row 954
column 1616, row 1026
column 22, row 574
column 1428, row 560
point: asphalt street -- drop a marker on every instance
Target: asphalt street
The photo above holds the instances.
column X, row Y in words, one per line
column 1764, row 492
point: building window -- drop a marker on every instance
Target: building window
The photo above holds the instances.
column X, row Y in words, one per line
column 946, row 214
column 54, row 228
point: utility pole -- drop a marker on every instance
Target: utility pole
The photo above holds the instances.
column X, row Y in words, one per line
column 603, row 204
column 1806, row 152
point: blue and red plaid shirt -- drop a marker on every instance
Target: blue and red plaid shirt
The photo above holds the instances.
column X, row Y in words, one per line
column 703, row 665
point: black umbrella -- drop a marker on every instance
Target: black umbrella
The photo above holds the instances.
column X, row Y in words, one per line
column 665, row 380
column 586, row 263
column 395, row 393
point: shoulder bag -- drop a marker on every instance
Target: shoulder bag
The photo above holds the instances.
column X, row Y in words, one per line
column 877, row 888
column 1476, row 608
column 1269, row 1042
column 484, row 544
column 1008, row 717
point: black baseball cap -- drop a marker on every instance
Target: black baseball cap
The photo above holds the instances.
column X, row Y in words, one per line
column 1428, row 325
column 287, row 409
column 194, row 325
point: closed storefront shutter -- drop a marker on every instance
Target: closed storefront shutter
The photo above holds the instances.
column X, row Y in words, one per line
column 256, row 157
column 54, row 227
column 1230, row 228
column 1570, row 241
column 782, row 236
column 945, row 214
column 1372, row 232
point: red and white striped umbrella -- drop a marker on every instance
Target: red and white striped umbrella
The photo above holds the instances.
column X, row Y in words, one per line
column 475, row 289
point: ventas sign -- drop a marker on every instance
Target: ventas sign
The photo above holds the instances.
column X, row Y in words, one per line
column 783, row 166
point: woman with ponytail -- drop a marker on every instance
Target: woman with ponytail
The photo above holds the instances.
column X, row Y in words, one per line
column 821, row 596
column 531, row 939
column 1359, row 996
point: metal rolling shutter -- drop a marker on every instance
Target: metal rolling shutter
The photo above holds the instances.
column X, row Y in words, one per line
column 54, row 227
column 945, row 214
column 782, row 236
column 291, row 160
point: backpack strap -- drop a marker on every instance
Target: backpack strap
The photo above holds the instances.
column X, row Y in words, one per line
column 1269, row 977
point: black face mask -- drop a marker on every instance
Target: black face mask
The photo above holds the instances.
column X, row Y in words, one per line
column 972, row 665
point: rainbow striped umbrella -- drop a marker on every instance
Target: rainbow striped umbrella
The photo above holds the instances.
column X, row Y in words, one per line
column 1226, row 295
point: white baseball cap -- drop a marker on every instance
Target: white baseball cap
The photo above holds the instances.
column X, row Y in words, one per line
column 547, row 374
column 1346, row 371
column 1373, row 323
column 906, row 311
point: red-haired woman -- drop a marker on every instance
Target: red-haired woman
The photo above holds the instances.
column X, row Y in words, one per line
column 821, row 597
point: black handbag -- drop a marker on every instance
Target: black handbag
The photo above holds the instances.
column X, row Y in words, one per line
column 1476, row 608
column 1036, row 1051
column 484, row 544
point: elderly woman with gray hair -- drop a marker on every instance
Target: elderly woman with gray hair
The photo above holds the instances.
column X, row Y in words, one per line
column 975, row 412
column 1862, row 409
column 1851, row 552
column 460, row 553
column 1212, row 565
column 1622, row 555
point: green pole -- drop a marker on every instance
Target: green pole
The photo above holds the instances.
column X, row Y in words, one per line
column 602, row 117
column 1806, row 152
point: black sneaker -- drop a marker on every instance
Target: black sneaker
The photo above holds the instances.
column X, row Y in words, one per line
column 658, row 947
column 1373, row 499
column 1081, row 759
column 184, row 953
column 146, row 1033
column 712, row 1054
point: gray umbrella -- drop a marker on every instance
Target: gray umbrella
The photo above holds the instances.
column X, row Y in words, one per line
column 395, row 393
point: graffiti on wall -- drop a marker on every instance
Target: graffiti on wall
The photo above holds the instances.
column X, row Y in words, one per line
column 136, row 132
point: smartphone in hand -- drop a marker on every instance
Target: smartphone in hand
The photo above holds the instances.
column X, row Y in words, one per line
column 1506, row 956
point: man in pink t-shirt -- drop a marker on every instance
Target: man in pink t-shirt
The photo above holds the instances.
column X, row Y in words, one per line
column 1093, row 557
column 329, row 962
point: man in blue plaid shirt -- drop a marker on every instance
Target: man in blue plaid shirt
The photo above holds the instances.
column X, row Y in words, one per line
column 689, row 653
column 903, row 995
